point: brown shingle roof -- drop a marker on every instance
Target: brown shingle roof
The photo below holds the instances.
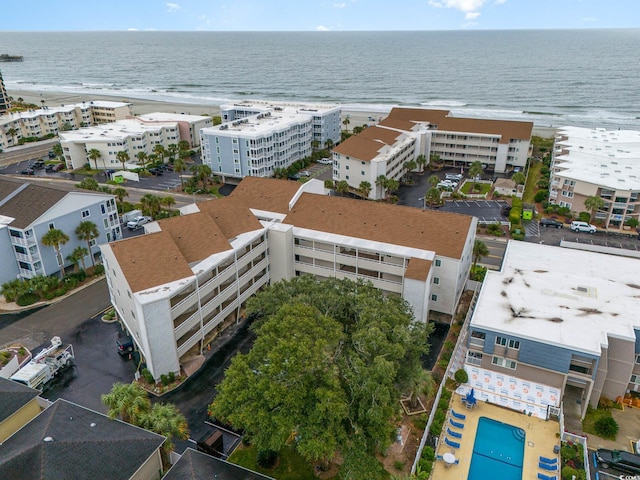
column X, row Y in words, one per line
column 7, row 187
column 197, row 236
column 366, row 145
column 265, row 193
column 418, row 269
column 442, row 232
column 29, row 204
column 150, row 260
column 233, row 215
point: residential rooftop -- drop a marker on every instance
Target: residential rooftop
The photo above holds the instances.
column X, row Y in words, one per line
column 61, row 109
column 264, row 105
column 13, row 397
column 115, row 131
column 194, row 465
column 609, row 158
column 27, row 202
column 370, row 143
column 171, row 117
column 256, row 125
column 569, row 298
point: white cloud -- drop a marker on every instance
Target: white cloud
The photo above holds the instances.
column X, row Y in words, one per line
column 462, row 5
column 340, row 5
column 499, row 2
column 172, row 7
column 132, row 29
column 322, row 28
column 472, row 15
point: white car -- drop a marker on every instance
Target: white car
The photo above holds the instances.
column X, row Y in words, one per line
column 325, row 161
column 582, row 227
column 447, row 184
column 305, row 173
column 456, row 177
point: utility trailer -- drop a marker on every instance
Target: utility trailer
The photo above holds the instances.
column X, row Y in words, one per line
column 44, row 366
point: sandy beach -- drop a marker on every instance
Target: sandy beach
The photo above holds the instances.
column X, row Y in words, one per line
column 142, row 106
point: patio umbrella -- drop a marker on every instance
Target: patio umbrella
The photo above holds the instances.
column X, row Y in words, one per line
column 471, row 395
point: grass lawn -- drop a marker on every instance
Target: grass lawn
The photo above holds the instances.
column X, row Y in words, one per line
column 530, row 188
column 468, row 185
column 592, row 416
column 291, row 465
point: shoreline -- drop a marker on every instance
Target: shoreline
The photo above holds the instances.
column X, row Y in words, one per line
column 141, row 106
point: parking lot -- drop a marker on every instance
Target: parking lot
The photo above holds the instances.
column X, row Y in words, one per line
column 489, row 211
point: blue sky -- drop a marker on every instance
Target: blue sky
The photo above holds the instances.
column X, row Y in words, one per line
column 316, row 15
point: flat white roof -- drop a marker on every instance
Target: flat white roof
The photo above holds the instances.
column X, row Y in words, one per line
column 609, row 158
column 559, row 296
column 259, row 124
column 172, row 117
column 119, row 130
column 263, row 105
column 60, row 109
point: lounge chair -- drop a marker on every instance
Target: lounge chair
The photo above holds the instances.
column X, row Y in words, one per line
column 459, row 416
column 451, row 443
column 550, row 461
column 438, row 457
column 453, row 434
column 542, row 476
column 456, row 424
column 546, row 466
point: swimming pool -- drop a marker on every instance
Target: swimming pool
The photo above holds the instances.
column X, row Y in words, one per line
column 498, row 451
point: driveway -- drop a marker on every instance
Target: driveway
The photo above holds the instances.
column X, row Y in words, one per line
column 488, row 211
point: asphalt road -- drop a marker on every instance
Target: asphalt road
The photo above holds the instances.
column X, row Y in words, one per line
column 27, row 152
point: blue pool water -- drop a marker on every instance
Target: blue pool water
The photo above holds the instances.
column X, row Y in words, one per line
column 498, row 451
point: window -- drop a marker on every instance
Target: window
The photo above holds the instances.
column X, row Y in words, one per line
column 567, row 193
column 436, row 281
column 474, row 358
column 346, row 167
column 635, row 379
column 19, row 249
column 15, row 233
column 504, row 362
column 501, row 341
column 86, row 213
column 51, row 226
column 361, row 172
column 515, row 344
column 434, row 298
column 638, row 358
column 438, row 263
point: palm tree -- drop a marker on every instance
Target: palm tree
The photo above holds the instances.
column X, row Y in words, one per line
column 183, row 146
column 123, row 157
column 434, row 159
column 172, row 150
column 479, row 250
column 167, row 201
column 593, row 204
column 88, row 231
column 77, row 256
column 421, row 162
column 151, row 203
column 519, row 178
column 433, row 196
column 142, row 158
column 120, row 194
column 328, row 143
column 342, row 187
column 315, row 144
column 127, row 401
column 381, row 182
column 94, row 154
column 57, row 150
column 165, row 419
column 475, row 170
column 409, row 166
column 56, row 238
column 365, row 188
column 160, row 152
column 180, row 167
column 202, row 173
column 12, row 132
column 433, row 180
column 393, row 185
column 346, row 123
column 14, row 289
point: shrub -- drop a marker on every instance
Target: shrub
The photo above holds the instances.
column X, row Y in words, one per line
column 568, row 453
column 147, row 375
column 398, row 465
column 495, row 229
column 543, row 183
column 27, row 299
column 58, row 292
column 584, row 216
column 606, row 427
column 267, row 458
column 633, row 222
column 541, row 195
column 98, row 270
column 425, row 466
column 172, row 377
column 544, row 171
column 428, row 453
column 461, row 376
column 164, row 379
column 49, row 295
column 71, row 282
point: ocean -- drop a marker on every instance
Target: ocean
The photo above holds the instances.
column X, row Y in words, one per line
column 551, row 77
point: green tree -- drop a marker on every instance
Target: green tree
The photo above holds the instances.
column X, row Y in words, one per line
column 593, row 204
column 88, row 183
column 342, row 187
column 120, row 194
column 434, row 160
column 328, row 143
column 433, row 180
column 315, row 144
column 201, row 174
column 479, row 250
column 409, row 166
column 476, row 170
column 151, row 204
column 94, row 154
column 165, row 419
column 381, row 182
column 88, row 231
column 519, row 178
column 57, row 151
column 129, row 402
column 142, row 158
column 77, row 256
column 433, row 196
column 329, row 362
column 365, row 189
column 123, row 157
column 14, row 289
column 346, row 123
column 393, row 185
column 167, row 201
column 179, row 166
column 421, row 162
column 183, row 146
column 12, row 132
column 172, row 150
column 160, row 152
column 56, row 238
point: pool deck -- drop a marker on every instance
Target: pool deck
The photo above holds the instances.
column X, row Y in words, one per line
column 540, row 439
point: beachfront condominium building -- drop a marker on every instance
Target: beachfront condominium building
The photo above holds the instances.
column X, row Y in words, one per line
column 53, row 120
column 500, row 145
column 132, row 135
column 5, row 103
column 28, row 211
column 555, row 324
column 257, row 138
column 594, row 162
column 325, row 119
column 188, row 277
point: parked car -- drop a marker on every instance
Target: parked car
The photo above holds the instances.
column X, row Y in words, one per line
column 506, row 210
column 295, row 176
column 38, row 165
column 58, row 166
column 305, row 173
column 447, row 184
column 155, row 171
column 28, row 171
column 619, row 460
column 49, row 167
column 577, row 226
column 52, row 154
column 325, row 161
column 550, row 222
column 137, row 222
column 124, row 344
column 456, row 177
